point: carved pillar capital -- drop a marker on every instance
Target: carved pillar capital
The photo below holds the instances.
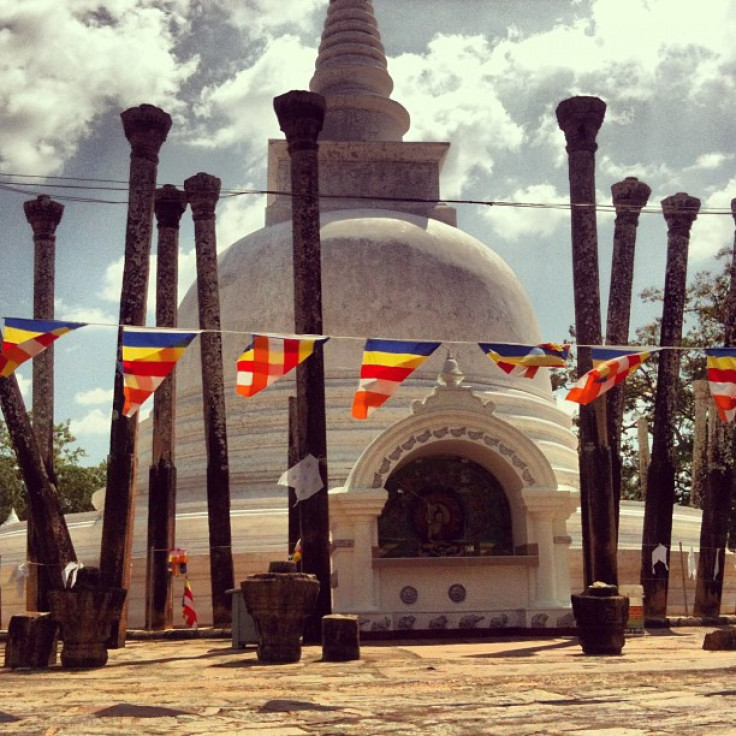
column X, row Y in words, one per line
column 300, row 115
column 629, row 197
column 169, row 205
column 580, row 119
column 43, row 215
column 202, row 191
column 680, row 211
column 146, row 128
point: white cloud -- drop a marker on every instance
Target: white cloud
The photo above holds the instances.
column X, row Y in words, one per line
column 94, row 315
column 238, row 216
column 449, row 93
column 94, row 396
column 515, row 223
column 259, row 17
column 241, row 109
column 64, row 63
column 96, row 422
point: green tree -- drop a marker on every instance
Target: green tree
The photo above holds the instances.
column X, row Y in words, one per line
column 76, row 483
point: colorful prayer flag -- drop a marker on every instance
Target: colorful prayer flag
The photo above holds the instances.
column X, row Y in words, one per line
column 386, row 363
column 610, row 367
column 26, row 338
column 188, row 610
column 525, row 360
column 149, row 355
column 268, row 358
column 721, row 367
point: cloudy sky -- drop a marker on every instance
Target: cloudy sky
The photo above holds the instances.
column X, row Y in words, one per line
column 485, row 75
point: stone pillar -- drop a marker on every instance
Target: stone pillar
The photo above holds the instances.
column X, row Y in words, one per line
column 642, row 438
column 700, row 442
column 203, row 192
column 44, row 216
column 680, row 211
column 361, row 509
column 169, row 205
column 720, row 484
column 629, row 197
column 300, row 116
column 146, row 128
column 544, row 508
column 580, row 118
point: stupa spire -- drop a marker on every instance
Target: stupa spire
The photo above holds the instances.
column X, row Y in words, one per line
column 351, row 73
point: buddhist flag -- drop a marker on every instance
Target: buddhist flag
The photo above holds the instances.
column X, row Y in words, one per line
column 149, row 355
column 525, row 360
column 610, row 367
column 26, row 338
column 721, row 366
column 189, row 612
column 386, row 363
column 268, row 358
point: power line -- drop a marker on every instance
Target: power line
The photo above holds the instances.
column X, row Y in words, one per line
column 7, row 183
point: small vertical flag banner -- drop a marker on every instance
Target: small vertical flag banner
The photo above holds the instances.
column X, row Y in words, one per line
column 188, row 610
column 692, row 564
column 303, row 477
column 525, row 360
column 721, row 371
column 611, row 366
column 296, row 555
column 386, row 364
column 149, row 355
column 178, row 561
column 269, row 357
column 26, row 338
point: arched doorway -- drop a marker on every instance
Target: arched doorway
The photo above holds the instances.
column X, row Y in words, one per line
column 444, row 506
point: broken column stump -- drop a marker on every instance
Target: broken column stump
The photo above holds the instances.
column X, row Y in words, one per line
column 32, row 641
column 720, row 639
column 340, row 638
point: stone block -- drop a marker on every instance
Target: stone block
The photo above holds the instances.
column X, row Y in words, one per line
column 32, row 641
column 720, row 639
column 340, row 638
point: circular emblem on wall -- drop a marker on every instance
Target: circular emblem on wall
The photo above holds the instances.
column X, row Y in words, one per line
column 409, row 594
column 456, row 593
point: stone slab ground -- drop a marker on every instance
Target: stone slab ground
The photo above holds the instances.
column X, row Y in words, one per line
column 664, row 683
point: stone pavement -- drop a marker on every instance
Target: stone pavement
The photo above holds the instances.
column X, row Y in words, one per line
column 664, row 683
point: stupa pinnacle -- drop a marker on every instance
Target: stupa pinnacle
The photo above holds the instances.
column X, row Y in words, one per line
column 351, row 73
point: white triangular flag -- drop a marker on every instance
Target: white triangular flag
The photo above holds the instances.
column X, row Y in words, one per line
column 659, row 554
column 716, row 567
column 303, row 477
column 69, row 573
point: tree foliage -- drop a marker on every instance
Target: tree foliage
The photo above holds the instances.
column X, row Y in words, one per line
column 76, row 483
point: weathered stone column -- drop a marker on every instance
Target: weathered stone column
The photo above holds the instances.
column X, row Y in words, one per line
column 169, row 205
column 146, row 128
column 720, row 484
column 700, row 442
column 642, row 438
column 300, row 116
column 680, row 211
column 203, row 191
column 44, row 216
column 629, row 197
column 580, row 118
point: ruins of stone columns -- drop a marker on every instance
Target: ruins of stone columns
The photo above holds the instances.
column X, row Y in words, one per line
column 169, row 205
column 146, row 128
column 43, row 215
column 300, row 116
column 580, row 118
column 629, row 197
column 680, row 211
column 203, row 192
